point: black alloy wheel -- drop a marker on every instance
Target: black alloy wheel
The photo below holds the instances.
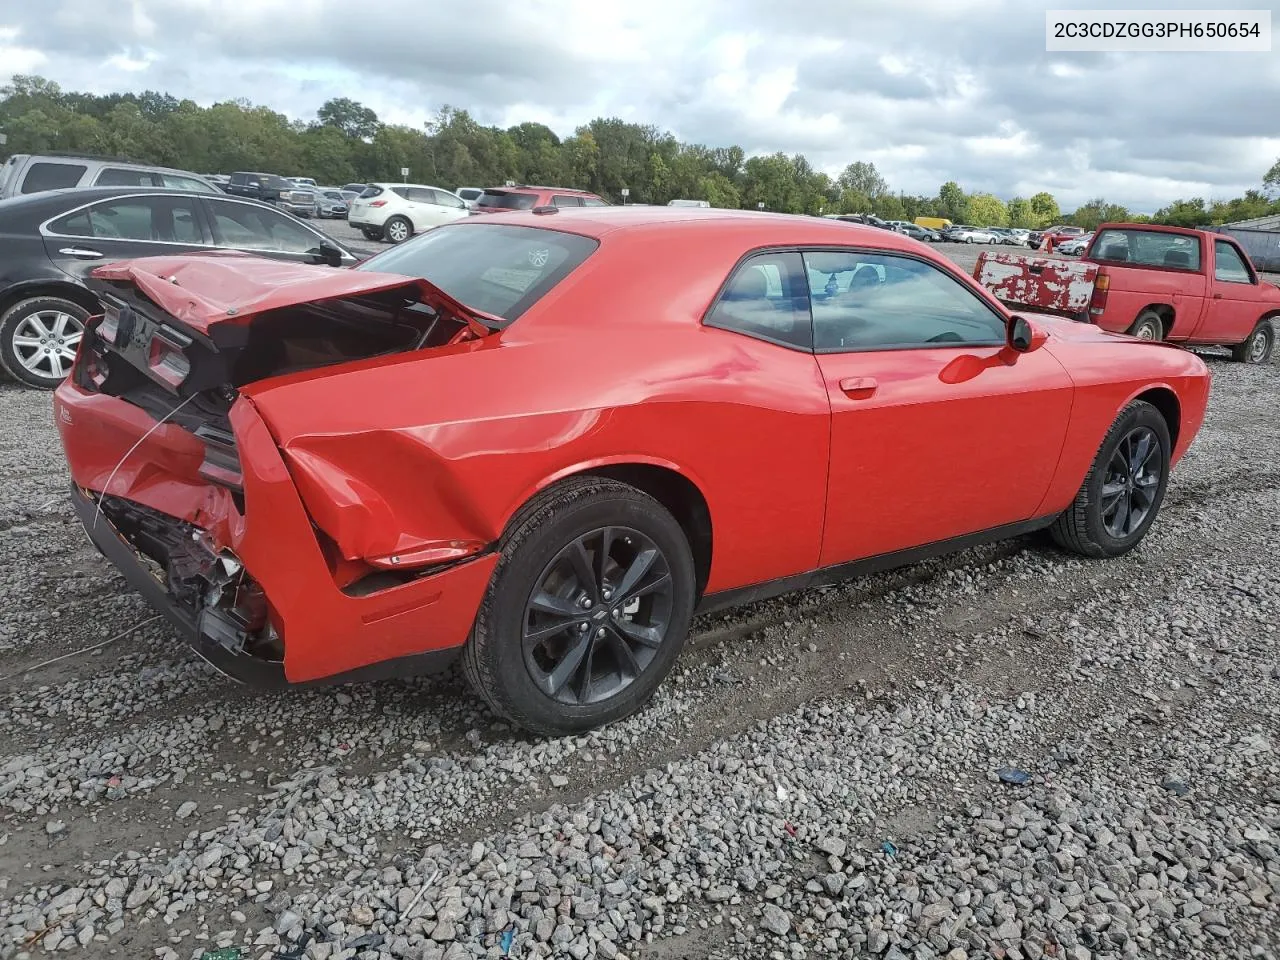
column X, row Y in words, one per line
column 1130, row 485
column 598, row 615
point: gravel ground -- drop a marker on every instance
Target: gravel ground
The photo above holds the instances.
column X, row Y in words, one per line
column 1010, row 752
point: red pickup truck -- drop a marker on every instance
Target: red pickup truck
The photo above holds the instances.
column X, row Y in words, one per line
column 1153, row 282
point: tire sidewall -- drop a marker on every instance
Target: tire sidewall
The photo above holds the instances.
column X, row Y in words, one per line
column 519, row 576
column 1143, row 415
column 386, row 229
column 1266, row 331
column 1148, row 319
column 9, row 322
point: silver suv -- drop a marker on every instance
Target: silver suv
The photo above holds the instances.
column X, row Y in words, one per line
column 30, row 173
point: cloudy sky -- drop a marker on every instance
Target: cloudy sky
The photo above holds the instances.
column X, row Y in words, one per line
column 928, row 91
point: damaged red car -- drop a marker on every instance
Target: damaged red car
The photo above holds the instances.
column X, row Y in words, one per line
column 543, row 441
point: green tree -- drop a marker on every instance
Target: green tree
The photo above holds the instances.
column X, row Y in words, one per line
column 1183, row 213
column 986, row 210
column 863, row 178
column 952, row 202
column 352, row 118
column 1270, row 180
column 1045, row 209
column 888, row 207
column 1020, row 213
column 1098, row 211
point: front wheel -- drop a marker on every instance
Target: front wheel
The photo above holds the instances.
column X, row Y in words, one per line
column 1257, row 348
column 397, row 230
column 1123, row 491
column 588, row 608
column 39, row 338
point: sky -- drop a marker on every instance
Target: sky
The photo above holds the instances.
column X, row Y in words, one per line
column 927, row 91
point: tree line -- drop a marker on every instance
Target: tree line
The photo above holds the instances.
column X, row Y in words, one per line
column 346, row 142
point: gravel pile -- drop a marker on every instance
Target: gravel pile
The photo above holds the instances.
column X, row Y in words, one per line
column 1008, row 753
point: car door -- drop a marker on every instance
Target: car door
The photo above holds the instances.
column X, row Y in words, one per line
column 420, row 207
column 121, row 228
column 1232, row 307
column 937, row 429
column 449, row 206
column 256, row 228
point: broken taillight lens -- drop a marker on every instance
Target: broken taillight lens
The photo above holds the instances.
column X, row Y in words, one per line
column 1098, row 301
column 167, row 361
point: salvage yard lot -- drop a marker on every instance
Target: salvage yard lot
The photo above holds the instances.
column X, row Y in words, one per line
column 819, row 780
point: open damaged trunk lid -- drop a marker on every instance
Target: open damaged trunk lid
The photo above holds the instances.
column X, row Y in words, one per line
column 217, row 322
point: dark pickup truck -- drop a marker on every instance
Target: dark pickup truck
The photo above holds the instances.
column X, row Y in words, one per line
column 1152, row 282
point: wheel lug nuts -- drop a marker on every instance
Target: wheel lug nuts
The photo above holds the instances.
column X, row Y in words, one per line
column 600, row 632
column 607, row 594
column 583, row 628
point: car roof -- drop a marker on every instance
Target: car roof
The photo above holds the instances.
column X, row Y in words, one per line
column 536, row 188
column 78, row 196
column 388, row 184
column 761, row 228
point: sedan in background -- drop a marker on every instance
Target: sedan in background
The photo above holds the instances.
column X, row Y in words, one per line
column 445, row 453
column 49, row 242
column 1075, row 246
column 965, row 234
column 396, row 211
column 330, row 203
column 917, row 232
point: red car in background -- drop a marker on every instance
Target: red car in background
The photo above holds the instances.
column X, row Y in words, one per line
column 543, row 442
column 524, row 197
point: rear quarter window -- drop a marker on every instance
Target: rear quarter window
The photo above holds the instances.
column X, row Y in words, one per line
column 52, row 176
column 499, row 269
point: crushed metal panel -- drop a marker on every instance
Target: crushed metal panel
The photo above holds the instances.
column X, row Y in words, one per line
column 1050, row 284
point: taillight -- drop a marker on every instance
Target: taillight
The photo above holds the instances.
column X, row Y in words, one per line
column 1098, row 302
column 377, row 203
column 166, row 360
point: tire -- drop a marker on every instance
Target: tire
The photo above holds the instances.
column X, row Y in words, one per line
column 39, row 338
column 1258, row 346
column 397, row 230
column 371, row 234
column 1088, row 527
column 1148, row 326
column 514, row 675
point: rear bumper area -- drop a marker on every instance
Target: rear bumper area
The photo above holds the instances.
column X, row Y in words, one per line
column 195, row 552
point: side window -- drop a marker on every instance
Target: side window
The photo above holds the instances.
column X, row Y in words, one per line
column 593, row 202
column 52, row 176
column 174, row 182
column 1227, row 264
column 239, row 179
column 444, row 198
column 873, row 301
column 122, row 177
column 563, row 201
column 246, row 227
column 159, row 219
column 403, row 192
column 766, row 298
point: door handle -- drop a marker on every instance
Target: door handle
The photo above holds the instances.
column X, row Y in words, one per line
column 858, row 388
column 80, row 253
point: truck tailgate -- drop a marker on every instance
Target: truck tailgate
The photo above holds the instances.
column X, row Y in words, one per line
column 1047, row 284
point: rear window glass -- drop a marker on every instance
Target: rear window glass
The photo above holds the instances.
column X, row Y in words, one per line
column 501, row 270
column 370, row 192
column 52, row 176
column 1148, row 248
column 507, row 201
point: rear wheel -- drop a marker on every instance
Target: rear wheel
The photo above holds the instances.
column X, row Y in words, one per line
column 397, row 230
column 1257, row 348
column 39, row 338
column 1148, row 326
column 587, row 610
column 1123, row 491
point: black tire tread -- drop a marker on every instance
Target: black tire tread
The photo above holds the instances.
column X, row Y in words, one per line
column 1142, row 317
column 1070, row 530
column 540, row 510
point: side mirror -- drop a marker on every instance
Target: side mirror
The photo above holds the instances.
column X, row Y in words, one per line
column 1023, row 336
column 329, row 254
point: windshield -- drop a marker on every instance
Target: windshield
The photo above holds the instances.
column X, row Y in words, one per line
column 506, row 201
column 498, row 269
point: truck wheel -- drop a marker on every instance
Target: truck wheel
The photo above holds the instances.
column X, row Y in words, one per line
column 1122, row 493
column 1148, row 326
column 1257, row 348
column 588, row 608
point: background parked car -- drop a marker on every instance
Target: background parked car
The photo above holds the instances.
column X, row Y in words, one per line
column 917, row 232
column 303, row 181
column 25, row 173
column 266, row 187
column 396, row 211
column 1076, row 246
column 330, row 202
column 470, row 194
column 1058, row 234
column 1015, row 237
column 967, row 234
column 525, row 197
column 50, row 241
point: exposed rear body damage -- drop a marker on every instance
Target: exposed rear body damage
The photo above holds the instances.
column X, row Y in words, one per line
column 180, row 482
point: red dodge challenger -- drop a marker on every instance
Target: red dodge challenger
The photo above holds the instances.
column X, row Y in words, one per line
column 544, row 440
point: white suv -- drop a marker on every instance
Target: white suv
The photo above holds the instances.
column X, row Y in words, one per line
column 396, row 211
